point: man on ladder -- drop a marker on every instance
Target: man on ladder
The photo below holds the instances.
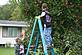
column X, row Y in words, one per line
column 46, row 21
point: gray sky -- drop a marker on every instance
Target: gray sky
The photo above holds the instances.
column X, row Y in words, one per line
column 3, row 2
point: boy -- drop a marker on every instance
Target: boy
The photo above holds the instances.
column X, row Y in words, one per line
column 17, row 47
column 46, row 20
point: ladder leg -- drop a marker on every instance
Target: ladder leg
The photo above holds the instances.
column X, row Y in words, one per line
column 31, row 37
column 36, row 44
column 42, row 37
column 52, row 51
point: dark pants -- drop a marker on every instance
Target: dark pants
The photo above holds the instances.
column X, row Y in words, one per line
column 22, row 54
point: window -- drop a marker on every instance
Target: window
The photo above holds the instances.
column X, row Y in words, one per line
column 11, row 31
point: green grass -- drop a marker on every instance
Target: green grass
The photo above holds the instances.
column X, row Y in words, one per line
column 6, row 51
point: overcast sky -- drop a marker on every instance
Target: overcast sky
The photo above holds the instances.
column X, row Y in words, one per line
column 3, row 2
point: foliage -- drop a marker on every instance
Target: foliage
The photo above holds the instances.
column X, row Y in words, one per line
column 10, row 11
column 5, row 12
column 16, row 14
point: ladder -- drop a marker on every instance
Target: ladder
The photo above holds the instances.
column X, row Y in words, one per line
column 40, row 32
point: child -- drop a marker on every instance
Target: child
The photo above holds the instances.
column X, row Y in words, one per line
column 22, row 35
column 21, row 48
column 17, row 48
column 46, row 19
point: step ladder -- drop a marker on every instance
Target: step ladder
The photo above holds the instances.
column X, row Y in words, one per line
column 41, row 34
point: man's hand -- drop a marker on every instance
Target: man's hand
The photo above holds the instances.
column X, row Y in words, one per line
column 38, row 17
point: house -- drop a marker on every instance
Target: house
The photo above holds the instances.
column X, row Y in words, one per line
column 9, row 30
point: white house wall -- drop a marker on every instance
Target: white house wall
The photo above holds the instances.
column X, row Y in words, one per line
column 8, row 40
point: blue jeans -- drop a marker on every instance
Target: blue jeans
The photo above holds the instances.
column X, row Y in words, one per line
column 17, row 51
column 22, row 54
column 47, row 36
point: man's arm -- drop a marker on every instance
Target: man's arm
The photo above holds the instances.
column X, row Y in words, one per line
column 42, row 14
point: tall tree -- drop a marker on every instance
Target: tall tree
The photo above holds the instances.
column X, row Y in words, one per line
column 16, row 13
column 6, row 11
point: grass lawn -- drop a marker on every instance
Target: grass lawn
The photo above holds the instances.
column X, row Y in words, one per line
column 6, row 51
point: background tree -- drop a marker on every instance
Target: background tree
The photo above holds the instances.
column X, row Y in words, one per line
column 5, row 12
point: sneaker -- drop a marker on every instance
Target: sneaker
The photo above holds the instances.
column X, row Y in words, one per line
column 52, row 45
